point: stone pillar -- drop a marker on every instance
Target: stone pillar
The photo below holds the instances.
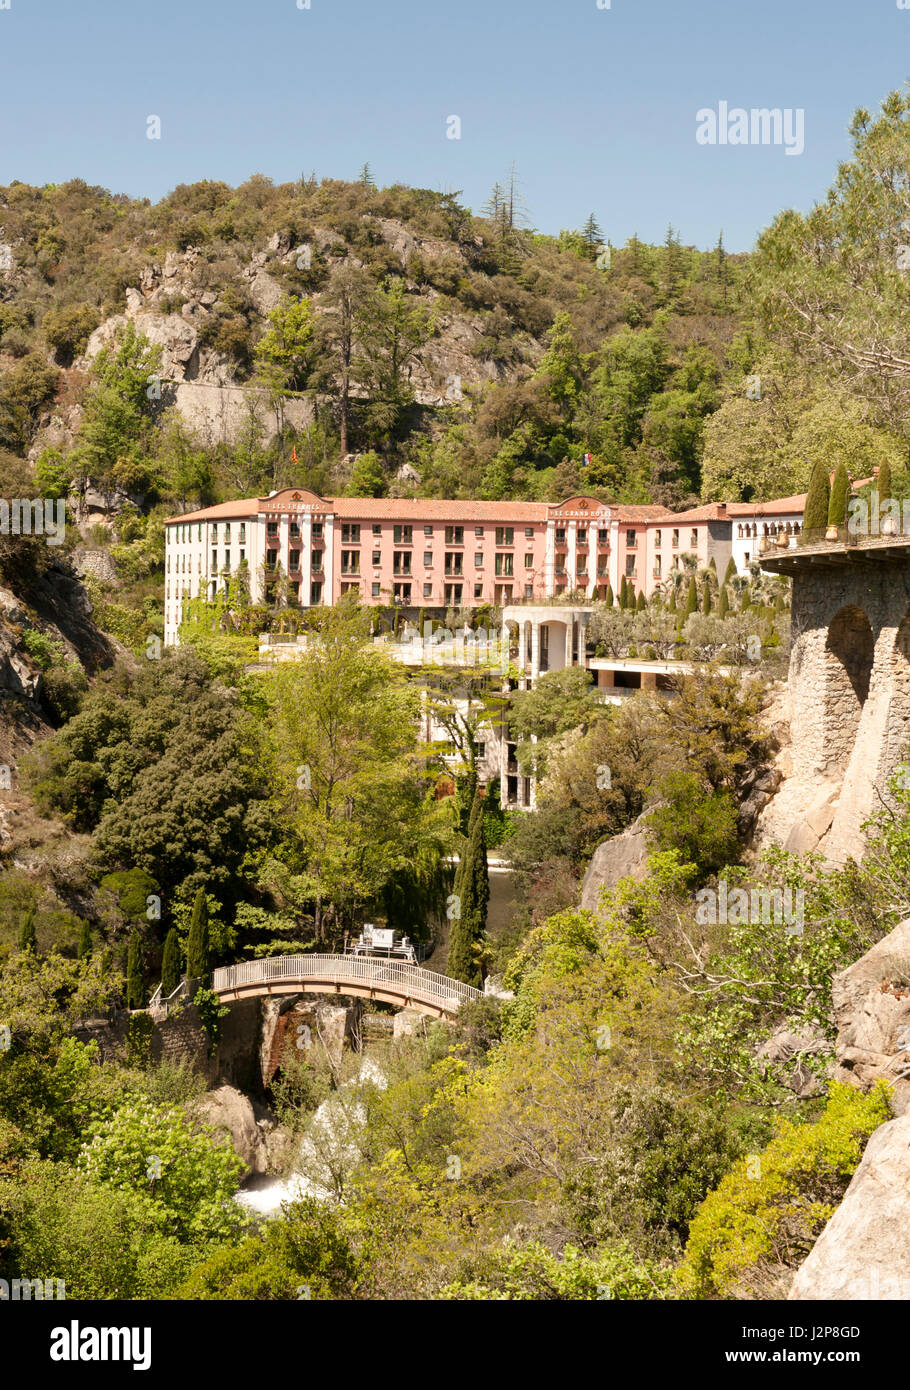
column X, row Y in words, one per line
column 535, row 648
column 571, row 537
column 570, row 633
column 306, row 553
column 549, row 564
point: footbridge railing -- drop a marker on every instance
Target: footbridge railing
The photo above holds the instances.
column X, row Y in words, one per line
column 392, row 981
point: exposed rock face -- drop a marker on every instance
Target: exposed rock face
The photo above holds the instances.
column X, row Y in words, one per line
column 228, row 1109
column 622, row 856
column 872, row 1006
column 864, row 1251
column 786, row 1046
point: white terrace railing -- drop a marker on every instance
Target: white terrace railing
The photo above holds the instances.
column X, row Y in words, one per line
column 163, row 1006
column 391, row 976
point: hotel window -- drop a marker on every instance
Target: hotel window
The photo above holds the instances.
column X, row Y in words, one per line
column 656, row 566
column 294, row 560
column 214, row 530
column 478, row 559
column 350, row 562
column 529, row 533
column 503, row 593
column 317, row 529
column 316, row 561
column 676, row 538
column 603, row 535
column 377, row 557
column 227, row 533
column 214, row 559
column 271, row 559
column 693, row 542
column 243, row 557
column 504, row 564
column 374, row 590
column 529, row 591
column 454, row 535
column 453, row 593
column 350, row 588
column 453, row 563
column 377, row 529
column 401, row 562
column 630, row 566
column 271, row 528
column 402, row 593
column 294, row 531
column 403, row 535
column 630, row 538
column 478, row 531
column 350, row 533
column 560, row 535
column 505, row 535
column 428, row 590
column 657, row 540
column 601, row 564
column 243, row 533
column 315, row 593
column 227, row 559
column 428, row 530
column 478, row 591
column 581, row 564
column 428, row 558
column 529, row 560
column 582, row 535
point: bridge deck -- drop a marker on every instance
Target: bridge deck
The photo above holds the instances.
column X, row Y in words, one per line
column 392, row 982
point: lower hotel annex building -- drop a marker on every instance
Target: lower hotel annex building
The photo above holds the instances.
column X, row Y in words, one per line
column 437, row 554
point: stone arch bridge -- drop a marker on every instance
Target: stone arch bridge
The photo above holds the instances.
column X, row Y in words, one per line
column 363, row 977
column 849, row 683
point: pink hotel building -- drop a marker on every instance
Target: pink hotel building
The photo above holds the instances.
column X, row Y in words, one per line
column 434, row 554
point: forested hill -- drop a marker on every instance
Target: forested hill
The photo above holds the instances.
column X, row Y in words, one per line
column 460, row 354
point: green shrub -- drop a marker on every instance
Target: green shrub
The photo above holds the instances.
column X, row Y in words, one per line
column 767, row 1213
column 535, row 1273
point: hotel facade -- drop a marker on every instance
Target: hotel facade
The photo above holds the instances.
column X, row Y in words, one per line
column 436, row 554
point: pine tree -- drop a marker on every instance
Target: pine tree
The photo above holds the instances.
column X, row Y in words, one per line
column 641, row 601
column 883, row 481
column 730, row 571
column 28, row 937
column 720, row 265
column 197, row 945
column 472, row 892
column 135, row 989
column 691, row 597
column 85, row 941
column 723, row 603
column 592, row 233
column 815, row 516
column 837, row 505
column 170, row 964
column 706, row 596
column 366, row 177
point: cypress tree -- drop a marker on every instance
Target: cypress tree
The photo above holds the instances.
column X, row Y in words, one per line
column 883, row 481
column 712, row 566
column 135, row 990
column 170, row 964
column 671, row 606
column 622, row 593
column 641, row 601
column 609, row 600
column 472, row 888
column 706, row 596
column 815, row 516
column 28, row 937
column 730, row 571
column 197, row 946
column 837, row 505
column 691, row 597
column 723, row 603
column 85, row 941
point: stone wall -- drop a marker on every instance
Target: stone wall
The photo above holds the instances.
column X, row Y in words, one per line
column 181, row 1038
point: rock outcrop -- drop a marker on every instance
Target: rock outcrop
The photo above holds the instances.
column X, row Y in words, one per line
column 230, row 1110
column 864, row 1251
column 622, row 856
column 871, row 1001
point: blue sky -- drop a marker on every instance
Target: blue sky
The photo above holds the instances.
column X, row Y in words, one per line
column 596, row 107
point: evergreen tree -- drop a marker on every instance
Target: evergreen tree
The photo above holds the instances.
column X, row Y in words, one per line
column 135, row 988
column 712, row 565
column 691, row 597
column 730, row 571
column 472, row 892
column 815, row 516
column 366, row 177
column 883, row 481
column 592, row 233
column 720, row 266
column 28, row 937
column 609, row 600
column 723, row 603
column 641, row 601
column 671, row 606
column 706, row 596
column 197, row 945
column 85, row 941
column 837, row 505
column 170, row 964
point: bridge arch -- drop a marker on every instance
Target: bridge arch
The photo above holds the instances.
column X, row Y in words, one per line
column 848, row 660
column 362, row 977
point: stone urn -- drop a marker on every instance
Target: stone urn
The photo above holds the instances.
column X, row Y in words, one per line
column 889, row 527
column 831, row 533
